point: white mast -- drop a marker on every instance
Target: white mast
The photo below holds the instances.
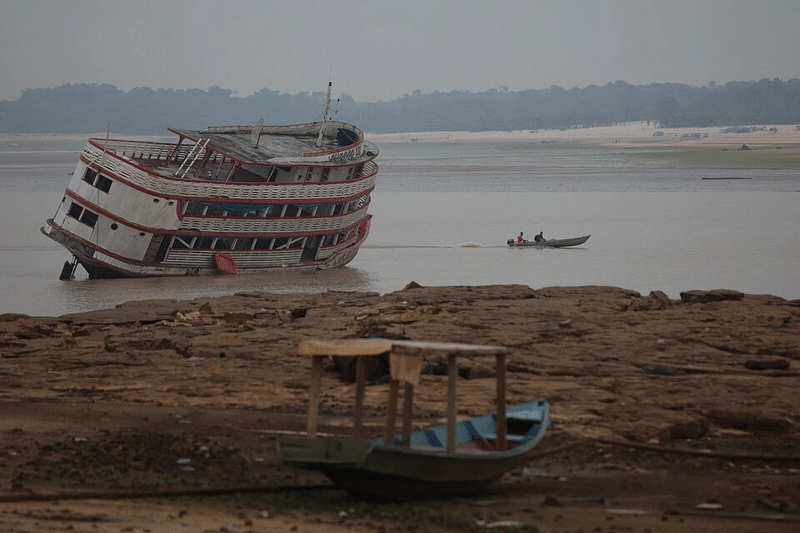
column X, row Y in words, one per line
column 325, row 115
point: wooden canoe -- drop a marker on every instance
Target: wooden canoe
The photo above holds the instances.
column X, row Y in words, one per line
column 375, row 471
column 459, row 457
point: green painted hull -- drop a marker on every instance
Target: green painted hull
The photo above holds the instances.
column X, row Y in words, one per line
column 377, row 471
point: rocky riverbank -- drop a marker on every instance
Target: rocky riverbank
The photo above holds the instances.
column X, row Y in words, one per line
column 714, row 370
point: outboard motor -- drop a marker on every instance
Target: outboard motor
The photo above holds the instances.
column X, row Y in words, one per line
column 510, row 242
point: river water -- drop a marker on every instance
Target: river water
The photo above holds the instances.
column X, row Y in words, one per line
column 442, row 213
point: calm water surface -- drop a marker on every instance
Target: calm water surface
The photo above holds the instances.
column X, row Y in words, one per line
column 442, row 213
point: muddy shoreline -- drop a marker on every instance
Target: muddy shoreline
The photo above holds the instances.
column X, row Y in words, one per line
column 190, row 394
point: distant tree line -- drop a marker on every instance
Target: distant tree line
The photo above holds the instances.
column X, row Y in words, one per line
column 87, row 108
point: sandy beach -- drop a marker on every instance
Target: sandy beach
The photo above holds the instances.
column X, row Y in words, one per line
column 631, row 134
column 668, row 414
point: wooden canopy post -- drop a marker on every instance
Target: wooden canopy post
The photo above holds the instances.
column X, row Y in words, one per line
column 452, row 400
column 313, row 396
column 361, row 383
column 391, row 412
column 502, row 423
column 408, row 412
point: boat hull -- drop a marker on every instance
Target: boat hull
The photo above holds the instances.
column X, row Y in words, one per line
column 102, row 266
column 374, row 486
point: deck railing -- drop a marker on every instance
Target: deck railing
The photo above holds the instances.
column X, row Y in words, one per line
column 162, row 151
column 147, row 150
column 126, row 169
column 357, row 146
column 244, row 259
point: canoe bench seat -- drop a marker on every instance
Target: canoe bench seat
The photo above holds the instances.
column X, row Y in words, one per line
column 509, row 438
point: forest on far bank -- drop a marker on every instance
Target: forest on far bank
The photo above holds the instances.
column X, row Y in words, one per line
column 88, row 108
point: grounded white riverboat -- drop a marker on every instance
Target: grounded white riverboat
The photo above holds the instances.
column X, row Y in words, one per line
column 225, row 199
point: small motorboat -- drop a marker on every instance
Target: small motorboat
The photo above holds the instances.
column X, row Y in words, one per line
column 549, row 243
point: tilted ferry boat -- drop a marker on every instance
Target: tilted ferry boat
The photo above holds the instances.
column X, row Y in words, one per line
column 225, row 199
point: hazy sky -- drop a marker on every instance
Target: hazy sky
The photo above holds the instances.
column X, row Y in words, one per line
column 379, row 50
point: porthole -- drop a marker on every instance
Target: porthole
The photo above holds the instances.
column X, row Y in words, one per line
column 156, row 200
column 114, row 226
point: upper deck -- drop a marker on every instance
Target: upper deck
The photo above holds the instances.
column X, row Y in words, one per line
column 269, row 145
column 235, row 162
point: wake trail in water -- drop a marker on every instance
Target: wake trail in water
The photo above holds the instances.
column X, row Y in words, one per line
column 405, row 246
column 429, row 246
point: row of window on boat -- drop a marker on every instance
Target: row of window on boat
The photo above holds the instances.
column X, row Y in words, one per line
column 192, row 242
column 191, row 207
column 188, row 242
column 90, row 218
